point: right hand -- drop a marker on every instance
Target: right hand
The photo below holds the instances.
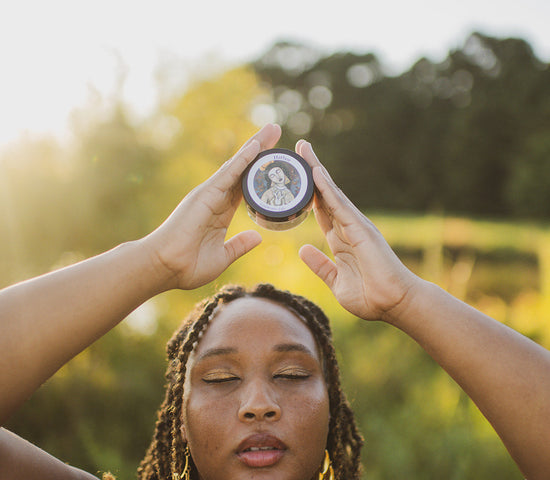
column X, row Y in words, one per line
column 366, row 276
column 190, row 245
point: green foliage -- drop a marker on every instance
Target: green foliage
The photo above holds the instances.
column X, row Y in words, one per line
column 528, row 193
column 35, row 181
column 117, row 172
column 455, row 135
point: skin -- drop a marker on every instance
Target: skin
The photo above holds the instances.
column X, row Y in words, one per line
column 257, row 369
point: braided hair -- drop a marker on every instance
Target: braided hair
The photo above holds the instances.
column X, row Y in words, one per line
column 165, row 455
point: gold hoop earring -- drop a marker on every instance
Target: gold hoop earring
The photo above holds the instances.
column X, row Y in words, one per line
column 185, row 474
column 327, row 473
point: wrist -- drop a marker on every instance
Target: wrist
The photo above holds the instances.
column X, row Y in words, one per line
column 408, row 308
column 159, row 274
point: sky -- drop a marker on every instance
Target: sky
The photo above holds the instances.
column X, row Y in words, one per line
column 55, row 55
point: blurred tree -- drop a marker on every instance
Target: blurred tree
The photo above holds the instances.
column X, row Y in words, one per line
column 116, row 171
column 528, row 188
column 207, row 125
column 440, row 136
column 35, row 185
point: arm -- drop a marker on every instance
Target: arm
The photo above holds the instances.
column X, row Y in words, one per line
column 21, row 459
column 46, row 321
column 505, row 374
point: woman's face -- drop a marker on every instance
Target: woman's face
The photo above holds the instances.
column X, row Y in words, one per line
column 256, row 404
column 277, row 175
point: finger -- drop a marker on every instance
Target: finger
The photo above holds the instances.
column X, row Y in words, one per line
column 335, row 203
column 241, row 244
column 319, row 264
column 321, row 175
column 305, row 150
column 299, row 146
column 324, row 220
column 231, row 171
column 321, row 214
column 267, row 136
column 324, row 212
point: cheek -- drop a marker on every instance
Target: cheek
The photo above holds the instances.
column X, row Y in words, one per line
column 205, row 434
column 310, row 417
column 203, row 422
column 312, row 412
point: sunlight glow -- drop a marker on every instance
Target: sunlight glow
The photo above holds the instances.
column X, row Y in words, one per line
column 55, row 54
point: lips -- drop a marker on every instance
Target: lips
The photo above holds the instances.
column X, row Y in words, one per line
column 261, row 450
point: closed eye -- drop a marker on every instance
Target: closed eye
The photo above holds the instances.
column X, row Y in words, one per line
column 293, row 377
column 293, row 374
column 219, row 378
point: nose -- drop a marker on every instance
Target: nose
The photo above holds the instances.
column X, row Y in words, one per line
column 258, row 403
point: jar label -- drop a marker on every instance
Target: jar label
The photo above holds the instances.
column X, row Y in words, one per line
column 278, row 182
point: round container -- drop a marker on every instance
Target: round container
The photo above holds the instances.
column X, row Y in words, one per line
column 278, row 189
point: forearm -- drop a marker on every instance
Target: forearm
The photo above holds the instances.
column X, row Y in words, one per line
column 47, row 320
column 506, row 374
column 20, row 459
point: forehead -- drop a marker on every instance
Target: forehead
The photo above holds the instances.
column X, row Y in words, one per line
column 256, row 323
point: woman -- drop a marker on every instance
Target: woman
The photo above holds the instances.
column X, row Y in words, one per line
column 505, row 374
column 254, row 375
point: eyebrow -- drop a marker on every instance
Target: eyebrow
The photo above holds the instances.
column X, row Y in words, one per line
column 214, row 352
column 280, row 348
column 293, row 347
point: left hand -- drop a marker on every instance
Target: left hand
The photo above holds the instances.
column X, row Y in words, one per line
column 366, row 276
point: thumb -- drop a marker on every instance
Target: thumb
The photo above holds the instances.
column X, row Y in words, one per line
column 240, row 244
column 319, row 264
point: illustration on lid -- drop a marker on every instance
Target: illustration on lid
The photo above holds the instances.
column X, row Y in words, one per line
column 275, row 182
column 278, row 187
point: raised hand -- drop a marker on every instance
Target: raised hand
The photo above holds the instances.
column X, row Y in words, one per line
column 191, row 243
column 365, row 276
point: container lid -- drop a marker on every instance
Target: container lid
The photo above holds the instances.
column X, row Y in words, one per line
column 278, row 184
